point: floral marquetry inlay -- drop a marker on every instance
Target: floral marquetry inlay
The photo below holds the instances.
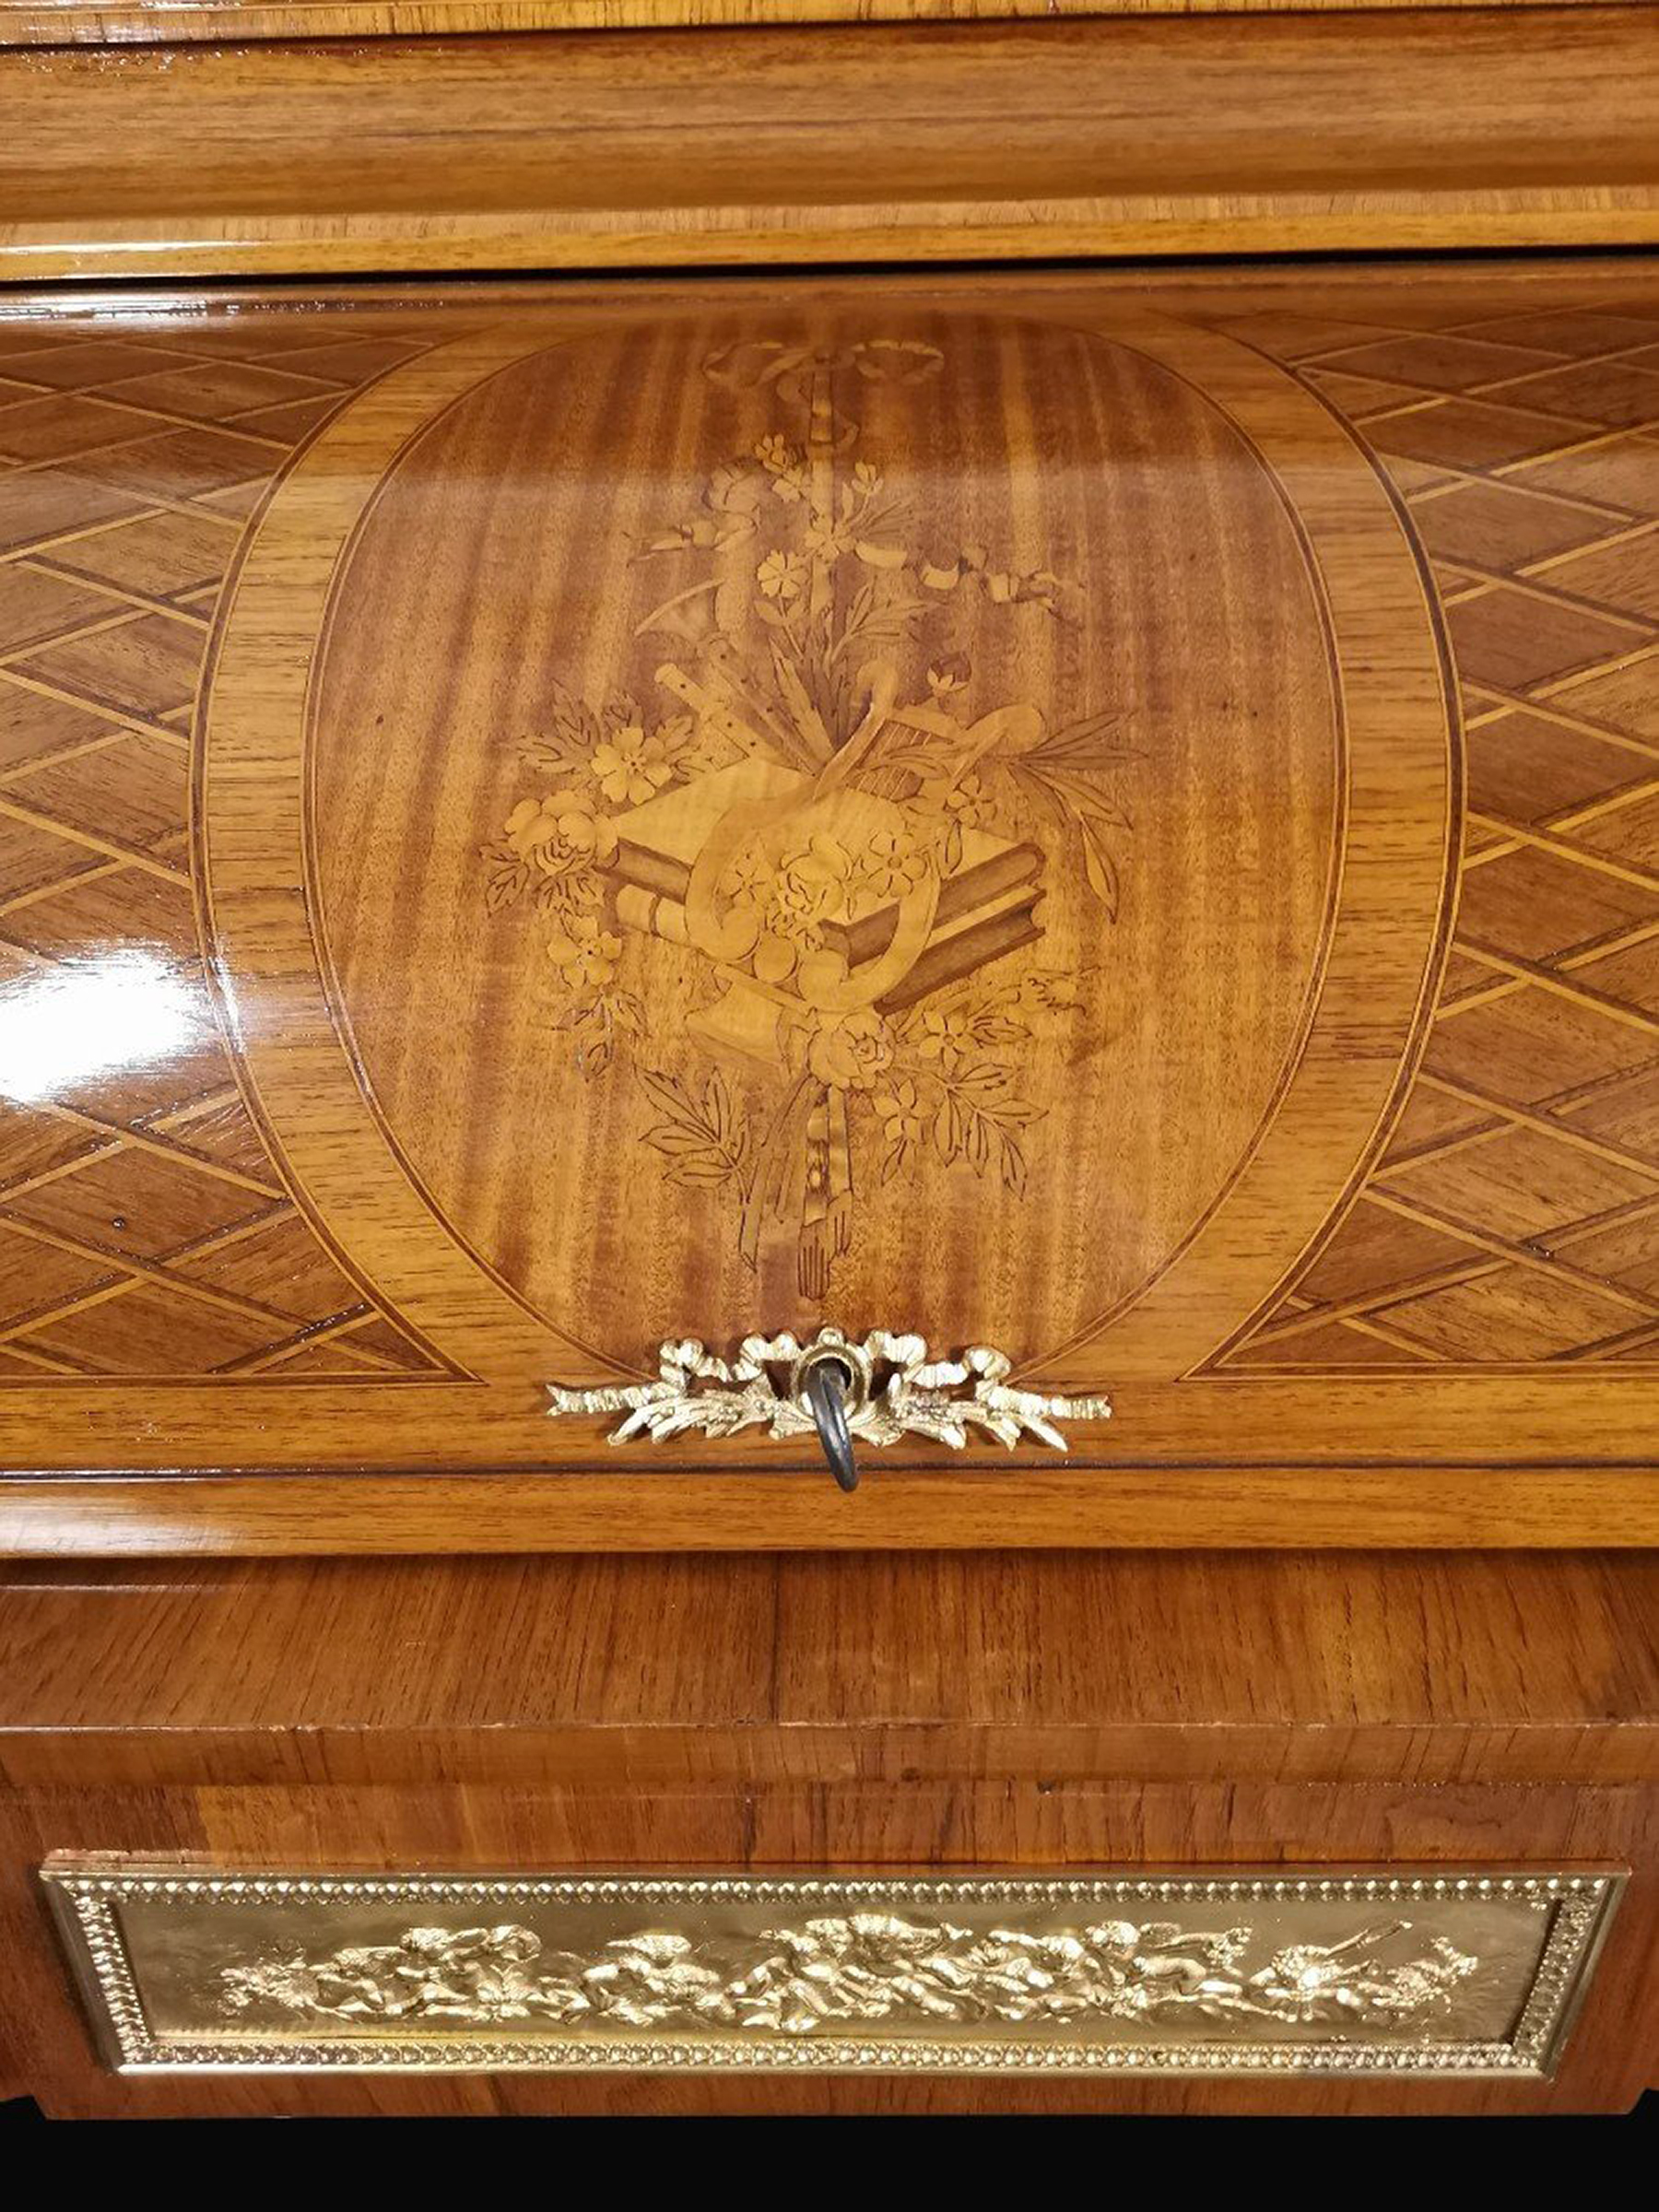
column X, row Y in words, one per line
column 1110, row 822
column 827, row 813
column 818, row 800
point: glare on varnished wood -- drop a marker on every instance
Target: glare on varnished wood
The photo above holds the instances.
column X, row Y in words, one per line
column 1107, row 825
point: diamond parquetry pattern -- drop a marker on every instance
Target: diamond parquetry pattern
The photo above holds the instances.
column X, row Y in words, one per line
column 143, row 1230
column 1514, row 1216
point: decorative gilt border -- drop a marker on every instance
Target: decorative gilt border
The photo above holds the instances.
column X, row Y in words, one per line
column 86, row 1892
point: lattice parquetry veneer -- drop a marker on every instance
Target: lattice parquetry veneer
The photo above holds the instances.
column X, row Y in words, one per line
column 143, row 1228
column 1511, row 1217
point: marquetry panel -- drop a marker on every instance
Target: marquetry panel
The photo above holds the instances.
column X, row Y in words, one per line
column 144, row 1228
column 1514, row 1214
column 1292, row 1078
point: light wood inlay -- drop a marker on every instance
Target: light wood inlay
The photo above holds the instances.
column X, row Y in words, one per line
column 1325, row 1181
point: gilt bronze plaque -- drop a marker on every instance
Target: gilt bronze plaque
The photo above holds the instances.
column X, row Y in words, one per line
column 192, row 1970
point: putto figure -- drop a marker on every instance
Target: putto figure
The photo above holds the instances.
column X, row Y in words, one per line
column 869, row 1968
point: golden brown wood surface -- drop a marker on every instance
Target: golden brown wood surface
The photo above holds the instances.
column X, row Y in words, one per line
column 117, row 22
column 705, row 815
column 1114, row 816
column 1150, row 134
column 1474, row 1669
column 1158, row 1506
column 892, row 1715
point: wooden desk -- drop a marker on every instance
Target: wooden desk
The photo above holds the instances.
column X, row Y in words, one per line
column 965, row 698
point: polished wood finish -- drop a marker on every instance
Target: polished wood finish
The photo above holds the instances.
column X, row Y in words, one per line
column 1160, row 1506
column 113, row 22
column 1150, row 134
column 1395, row 1280
column 993, row 1042
column 358, row 779
column 898, row 1714
column 1475, row 1669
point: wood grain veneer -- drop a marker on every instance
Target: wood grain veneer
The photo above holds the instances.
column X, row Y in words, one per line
column 112, row 22
column 1473, row 1669
column 318, row 1310
column 1424, row 501
column 868, row 1714
column 1144, row 135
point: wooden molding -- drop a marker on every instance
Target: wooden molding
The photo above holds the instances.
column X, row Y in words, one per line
column 172, row 22
column 1147, row 134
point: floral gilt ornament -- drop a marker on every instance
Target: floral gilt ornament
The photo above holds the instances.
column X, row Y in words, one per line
column 892, row 1390
column 822, row 826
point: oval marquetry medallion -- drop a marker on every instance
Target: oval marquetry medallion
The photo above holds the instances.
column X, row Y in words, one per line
column 901, row 818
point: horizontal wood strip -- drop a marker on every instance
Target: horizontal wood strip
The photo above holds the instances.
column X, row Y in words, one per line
column 1338, row 1507
column 715, row 238
column 1083, row 1641
column 1150, row 134
column 667, row 1756
column 135, row 22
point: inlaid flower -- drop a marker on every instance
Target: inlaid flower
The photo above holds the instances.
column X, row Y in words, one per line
column 781, row 576
column 937, row 1036
column 794, row 909
column 532, row 824
column 808, row 888
column 784, row 465
column 825, row 867
column 632, row 765
column 963, row 800
column 900, row 1112
column 559, row 832
column 894, row 866
column 746, row 878
column 585, row 954
column 852, row 1053
column 585, row 833
column 829, row 539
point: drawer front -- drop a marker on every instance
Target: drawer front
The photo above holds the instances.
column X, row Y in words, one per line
column 1317, row 1974
column 1085, row 846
